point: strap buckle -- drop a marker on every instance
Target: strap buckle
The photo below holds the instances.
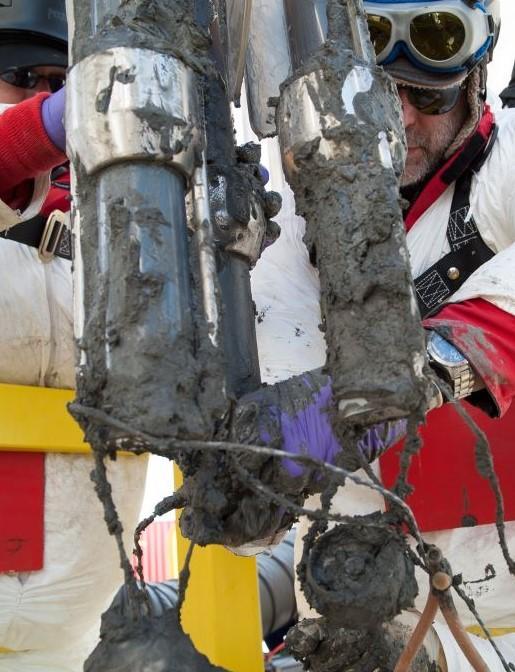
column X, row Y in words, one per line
column 52, row 233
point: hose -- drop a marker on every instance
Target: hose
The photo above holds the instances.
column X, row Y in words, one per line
column 276, row 589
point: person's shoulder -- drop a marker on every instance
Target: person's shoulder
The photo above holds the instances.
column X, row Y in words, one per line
column 500, row 159
column 505, row 122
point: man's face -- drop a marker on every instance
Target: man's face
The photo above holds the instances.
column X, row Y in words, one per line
column 428, row 136
column 10, row 94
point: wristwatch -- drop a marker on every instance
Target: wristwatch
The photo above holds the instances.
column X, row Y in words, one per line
column 451, row 365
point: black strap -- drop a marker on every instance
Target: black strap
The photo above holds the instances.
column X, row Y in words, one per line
column 468, row 253
column 31, row 232
column 445, row 277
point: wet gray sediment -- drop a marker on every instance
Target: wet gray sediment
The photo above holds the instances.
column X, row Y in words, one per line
column 148, row 644
column 167, row 26
column 359, row 575
column 323, row 648
column 354, row 233
column 223, row 506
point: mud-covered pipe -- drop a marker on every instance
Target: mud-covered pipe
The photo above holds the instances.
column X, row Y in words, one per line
column 230, row 204
column 242, row 373
column 342, row 143
column 134, row 135
column 307, row 27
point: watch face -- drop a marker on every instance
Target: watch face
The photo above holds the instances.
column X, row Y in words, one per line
column 444, row 351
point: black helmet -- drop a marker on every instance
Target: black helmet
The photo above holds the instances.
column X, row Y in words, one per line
column 33, row 32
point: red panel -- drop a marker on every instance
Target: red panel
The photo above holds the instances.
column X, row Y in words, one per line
column 22, row 501
column 154, row 543
column 449, row 492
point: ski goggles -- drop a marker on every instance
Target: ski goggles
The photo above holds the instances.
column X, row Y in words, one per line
column 448, row 36
column 433, row 101
column 25, row 78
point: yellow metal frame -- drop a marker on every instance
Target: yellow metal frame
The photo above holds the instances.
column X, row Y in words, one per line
column 221, row 612
column 35, row 419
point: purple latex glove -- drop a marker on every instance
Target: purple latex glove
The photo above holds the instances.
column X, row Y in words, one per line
column 297, row 413
column 52, row 113
column 265, row 175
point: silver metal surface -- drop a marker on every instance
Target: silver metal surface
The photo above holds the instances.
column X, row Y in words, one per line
column 131, row 104
column 268, row 63
column 249, row 238
column 362, row 44
column 301, row 121
column 238, row 16
column 207, row 257
column 99, row 9
column 245, row 239
column 286, row 664
column 307, row 27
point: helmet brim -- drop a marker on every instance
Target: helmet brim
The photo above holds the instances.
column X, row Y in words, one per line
column 29, row 55
column 406, row 74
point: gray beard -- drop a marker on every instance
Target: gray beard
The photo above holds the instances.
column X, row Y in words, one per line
column 433, row 148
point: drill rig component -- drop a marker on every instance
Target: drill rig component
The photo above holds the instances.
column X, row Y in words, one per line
column 268, row 64
column 342, row 142
column 307, row 28
column 145, row 334
column 238, row 17
column 207, row 255
column 359, row 575
column 145, row 108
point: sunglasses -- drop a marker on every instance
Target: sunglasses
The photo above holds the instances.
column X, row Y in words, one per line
column 25, row 78
column 433, row 101
column 446, row 40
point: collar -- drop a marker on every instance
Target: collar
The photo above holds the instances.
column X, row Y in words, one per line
column 467, row 157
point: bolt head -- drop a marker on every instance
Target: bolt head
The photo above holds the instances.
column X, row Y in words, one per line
column 453, row 273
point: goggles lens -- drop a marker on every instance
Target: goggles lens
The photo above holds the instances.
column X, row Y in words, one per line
column 437, row 35
column 380, row 31
column 24, row 78
column 433, row 101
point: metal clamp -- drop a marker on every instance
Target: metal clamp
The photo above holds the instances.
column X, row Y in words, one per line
column 52, row 233
column 129, row 104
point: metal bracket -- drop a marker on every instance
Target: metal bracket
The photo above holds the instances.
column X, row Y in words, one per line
column 52, row 233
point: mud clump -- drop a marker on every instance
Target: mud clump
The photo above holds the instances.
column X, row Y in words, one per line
column 148, row 644
column 322, row 647
column 168, row 26
column 359, row 575
column 225, row 503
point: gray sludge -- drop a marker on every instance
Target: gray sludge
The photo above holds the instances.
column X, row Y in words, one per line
column 150, row 644
column 346, row 188
column 359, row 575
column 146, row 357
